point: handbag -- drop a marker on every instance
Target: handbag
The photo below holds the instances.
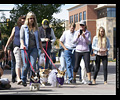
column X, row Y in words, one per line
column 42, row 60
column 93, row 58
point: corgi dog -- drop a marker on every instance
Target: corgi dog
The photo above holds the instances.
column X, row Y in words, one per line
column 35, row 81
column 56, row 78
column 44, row 73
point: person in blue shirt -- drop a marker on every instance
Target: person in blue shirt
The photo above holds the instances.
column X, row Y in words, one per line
column 31, row 43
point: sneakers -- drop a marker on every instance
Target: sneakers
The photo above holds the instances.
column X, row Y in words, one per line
column 84, row 82
column 89, row 82
column 74, row 81
column 24, row 84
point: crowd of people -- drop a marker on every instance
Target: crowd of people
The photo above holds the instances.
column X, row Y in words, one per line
column 74, row 49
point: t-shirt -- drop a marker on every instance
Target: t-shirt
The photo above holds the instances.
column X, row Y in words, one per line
column 67, row 38
column 32, row 41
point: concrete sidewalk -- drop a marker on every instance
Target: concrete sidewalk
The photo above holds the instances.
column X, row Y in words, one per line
column 73, row 89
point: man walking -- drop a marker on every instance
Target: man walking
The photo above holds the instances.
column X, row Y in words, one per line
column 66, row 42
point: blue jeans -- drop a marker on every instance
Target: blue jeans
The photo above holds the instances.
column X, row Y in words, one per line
column 47, row 59
column 32, row 54
column 63, row 63
column 70, row 62
column 13, row 65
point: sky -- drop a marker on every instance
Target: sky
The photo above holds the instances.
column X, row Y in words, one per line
column 62, row 15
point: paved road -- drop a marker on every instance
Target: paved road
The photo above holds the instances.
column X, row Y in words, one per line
column 74, row 89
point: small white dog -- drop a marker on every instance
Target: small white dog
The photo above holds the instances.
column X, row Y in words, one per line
column 56, row 77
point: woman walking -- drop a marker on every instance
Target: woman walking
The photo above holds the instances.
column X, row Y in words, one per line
column 83, row 39
column 101, row 46
column 15, row 37
column 31, row 43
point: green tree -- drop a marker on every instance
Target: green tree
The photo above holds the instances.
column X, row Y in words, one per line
column 58, row 27
column 42, row 11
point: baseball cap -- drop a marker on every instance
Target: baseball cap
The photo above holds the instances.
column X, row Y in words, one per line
column 45, row 22
column 83, row 22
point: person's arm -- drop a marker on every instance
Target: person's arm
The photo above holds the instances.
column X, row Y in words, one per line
column 62, row 39
column 53, row 36
column 87, row 37
column 61, row 43
column 40, row 43
column 76, row 37
column 94, row 47
column 108, row 44
column 10, row 39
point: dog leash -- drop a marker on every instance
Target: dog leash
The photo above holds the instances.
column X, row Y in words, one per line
column 46, row 49
column 49, row 58
column 28, row 60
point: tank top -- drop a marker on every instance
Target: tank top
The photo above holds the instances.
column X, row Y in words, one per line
column 16, row 41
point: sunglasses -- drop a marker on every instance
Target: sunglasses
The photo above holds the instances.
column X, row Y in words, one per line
column 31, row 18
column 82, row 25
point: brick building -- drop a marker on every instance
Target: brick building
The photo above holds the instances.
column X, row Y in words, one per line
column 97, row 15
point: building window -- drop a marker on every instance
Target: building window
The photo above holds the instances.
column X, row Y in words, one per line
column 111, row 12
column 102, row 13
column 84, row 15
column 71, row 19
column 106, row 12
column 75, row 18
column 80, row 16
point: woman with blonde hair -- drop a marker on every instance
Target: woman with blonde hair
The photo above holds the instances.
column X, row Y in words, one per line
column 30, row 41
column 101, row 46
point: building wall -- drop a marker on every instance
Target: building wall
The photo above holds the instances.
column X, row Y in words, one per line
column 91, row 19
column 91, row 16
column 77, row 11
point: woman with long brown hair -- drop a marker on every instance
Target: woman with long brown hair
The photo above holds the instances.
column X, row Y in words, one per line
column 101, row 46
column 15, row 37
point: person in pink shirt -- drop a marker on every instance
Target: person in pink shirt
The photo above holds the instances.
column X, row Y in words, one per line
column 82, row 38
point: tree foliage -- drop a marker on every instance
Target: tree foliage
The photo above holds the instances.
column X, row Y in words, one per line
column 58, row 27
column 42, row 11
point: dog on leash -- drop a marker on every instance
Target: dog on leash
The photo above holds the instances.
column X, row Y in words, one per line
column 35, row 81
column 44, row 73
column 56, row 78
